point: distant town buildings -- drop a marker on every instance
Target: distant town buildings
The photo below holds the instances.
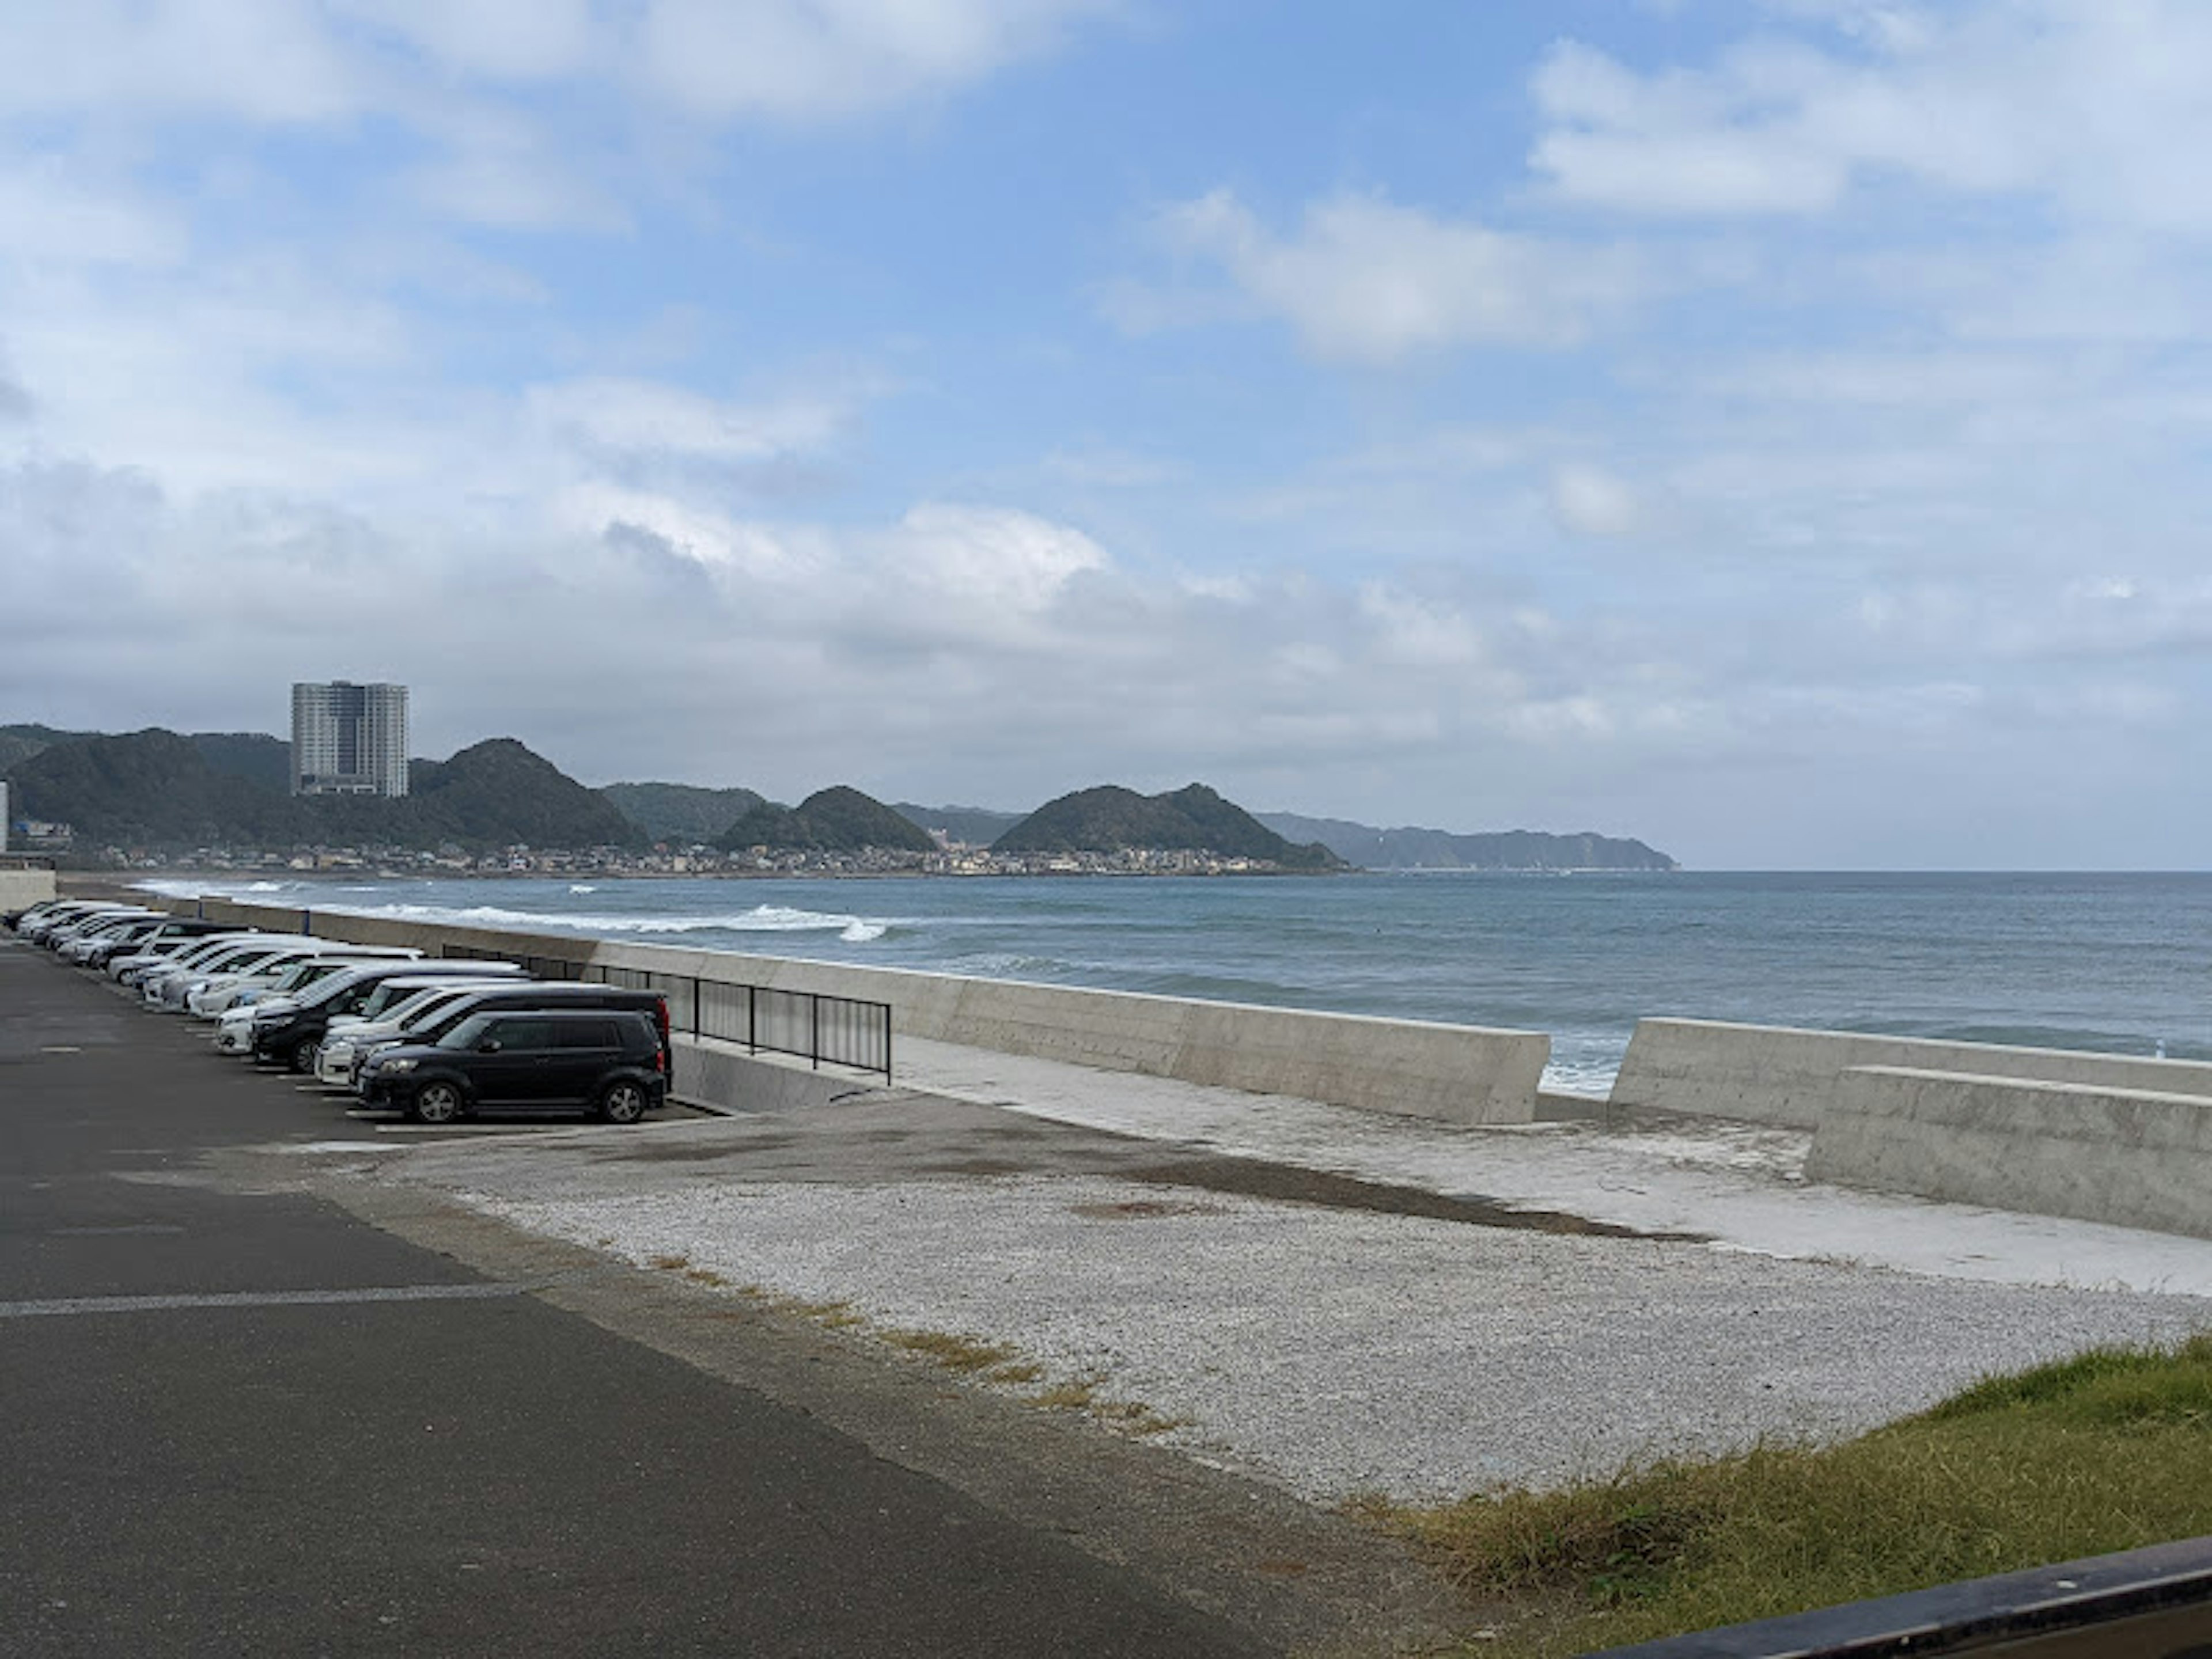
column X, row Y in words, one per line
column 349, row 739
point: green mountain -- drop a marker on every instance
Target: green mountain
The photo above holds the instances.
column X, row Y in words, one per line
column 1372, row 848
column 154, row 788
column 254, row 755
column 1193, row 819
column 19, row 742
column 971, row 826
column 681, row 813
column 150, row 788
column 838, row 819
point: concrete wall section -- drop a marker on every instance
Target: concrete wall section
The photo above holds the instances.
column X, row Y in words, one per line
column 1454, row 1073
column 717, row 1074
column 2133, row 1157
column 1777, row 1075
column 22, row 888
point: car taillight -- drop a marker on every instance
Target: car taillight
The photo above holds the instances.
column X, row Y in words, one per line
column 660, row 1062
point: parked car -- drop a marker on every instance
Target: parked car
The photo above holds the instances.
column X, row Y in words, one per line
column 348, row 1043
column 134, row 967
column 607, row 1059
column 566, row 994
column 47, row 923
column 140, row 938
column 76, row 943
column 220, row 991
column 288, row 1035
column 170, row 990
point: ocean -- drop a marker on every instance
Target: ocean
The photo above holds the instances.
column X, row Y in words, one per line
column 2118, row 963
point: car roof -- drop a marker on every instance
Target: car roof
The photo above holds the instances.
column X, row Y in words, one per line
column 565, row 987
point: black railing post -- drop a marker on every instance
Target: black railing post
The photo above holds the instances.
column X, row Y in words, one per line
column 697, row 1030
column 814, row 1031
column 887, row 1044
column 752, row 1017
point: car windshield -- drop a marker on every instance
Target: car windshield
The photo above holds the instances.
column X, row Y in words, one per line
column 424, row 1004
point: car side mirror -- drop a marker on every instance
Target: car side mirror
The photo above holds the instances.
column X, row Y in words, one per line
column 488, row 1046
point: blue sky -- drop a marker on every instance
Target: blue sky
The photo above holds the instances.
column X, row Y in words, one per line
column 1776, row 430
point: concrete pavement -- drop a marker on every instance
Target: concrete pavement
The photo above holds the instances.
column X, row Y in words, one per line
column 239, row 1418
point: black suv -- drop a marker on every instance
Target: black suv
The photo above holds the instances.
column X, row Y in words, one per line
column 604, row 1058
column 531, row 996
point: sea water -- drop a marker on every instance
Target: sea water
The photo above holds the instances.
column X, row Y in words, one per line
column 2119, row 964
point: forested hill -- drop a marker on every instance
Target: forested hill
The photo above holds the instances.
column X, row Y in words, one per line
column 254, row 755
column 1372, row 848
column 681, row 813
column 1193, row 819
column 971, row 826
column 157, row 789
column 838, row 819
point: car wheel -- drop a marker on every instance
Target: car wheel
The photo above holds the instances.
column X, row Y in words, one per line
column 435, row 1103
column 302, row 1057
column 623, row 1102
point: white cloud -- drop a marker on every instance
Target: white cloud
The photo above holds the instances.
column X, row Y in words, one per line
column 2099, row 109
column 1368, row 280
column 1591, row 502
column 814, row 59
column 995, row 559
column 254, row 60
column 631, row 417
column 500, row 39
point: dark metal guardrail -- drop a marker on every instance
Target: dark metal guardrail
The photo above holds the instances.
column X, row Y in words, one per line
column 812, row 1026
column 2154, row 1603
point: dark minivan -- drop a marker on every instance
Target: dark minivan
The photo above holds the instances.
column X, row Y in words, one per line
column 608, row 1060
column 561, row 993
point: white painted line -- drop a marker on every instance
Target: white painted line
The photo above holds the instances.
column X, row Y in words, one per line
column 99, row 1304
column 469, row 1128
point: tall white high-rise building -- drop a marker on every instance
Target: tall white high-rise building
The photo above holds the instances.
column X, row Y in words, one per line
column 349, row 739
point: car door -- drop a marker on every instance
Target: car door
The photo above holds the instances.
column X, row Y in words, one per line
column 513, row 1061
column 589, row 1049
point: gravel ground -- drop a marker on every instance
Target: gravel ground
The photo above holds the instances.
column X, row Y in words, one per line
column 1341, row 1352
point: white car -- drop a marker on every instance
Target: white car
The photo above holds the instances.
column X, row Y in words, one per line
column 133, row 967
column 222, row 991
column 82, row 941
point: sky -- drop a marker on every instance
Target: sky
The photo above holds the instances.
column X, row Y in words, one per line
column 1777, row 429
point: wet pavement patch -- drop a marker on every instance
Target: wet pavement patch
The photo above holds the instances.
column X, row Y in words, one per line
column 1339, row 1192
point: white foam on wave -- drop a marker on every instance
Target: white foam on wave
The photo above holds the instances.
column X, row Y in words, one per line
column 581, row 887
column 170, row 887
column 761, row 919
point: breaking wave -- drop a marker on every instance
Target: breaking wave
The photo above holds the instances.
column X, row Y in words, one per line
column 761, row 919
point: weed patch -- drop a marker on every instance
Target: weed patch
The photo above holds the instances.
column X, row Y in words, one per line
column 2109, row 1450
column 955, row 1353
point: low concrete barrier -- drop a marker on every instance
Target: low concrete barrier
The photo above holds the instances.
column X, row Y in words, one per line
column 1459, row 1074
column 2135, row 1157
column 22, row 888
column 724, row 1074
column 1778, row 1074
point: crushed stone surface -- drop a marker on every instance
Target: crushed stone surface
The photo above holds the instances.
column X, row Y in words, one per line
column 1345, row 1352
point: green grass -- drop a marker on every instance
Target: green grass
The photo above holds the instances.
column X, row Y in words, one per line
column 2109, row 1450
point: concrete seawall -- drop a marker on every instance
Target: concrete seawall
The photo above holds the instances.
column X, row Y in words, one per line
column 1780, row 1075
column 22, row 888
column 1451, row 1073
column 2134, row 1158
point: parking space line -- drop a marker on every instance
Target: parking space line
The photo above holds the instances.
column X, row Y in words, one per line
column 106, row 1305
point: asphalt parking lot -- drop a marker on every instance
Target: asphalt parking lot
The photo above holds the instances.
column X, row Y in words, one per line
column 243, row 1420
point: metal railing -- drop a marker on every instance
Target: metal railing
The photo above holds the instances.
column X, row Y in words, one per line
column 809, row 1025
column 2155, row 1601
